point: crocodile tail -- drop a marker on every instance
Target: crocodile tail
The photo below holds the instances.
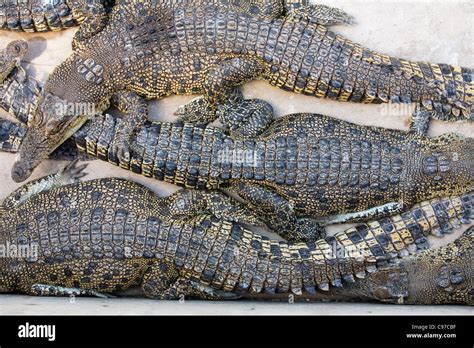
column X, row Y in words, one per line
column 272, row 266
column 437, row 276
column 43, row 15
column 320, row 63
column 449, row 90
column 443, row 275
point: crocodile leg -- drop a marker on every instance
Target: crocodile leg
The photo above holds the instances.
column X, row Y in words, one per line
column 136, row 110
column 437, row 276
column 420, row 121
column 278, row 213
column 248, row 118
column 189, row 203
column 68, row 175
column 51, row 290
column 163, row 282
column 218, row 87
column 95, row 21
column 321, row 14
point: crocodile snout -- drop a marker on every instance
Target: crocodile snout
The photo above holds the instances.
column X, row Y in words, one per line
column 19, row 174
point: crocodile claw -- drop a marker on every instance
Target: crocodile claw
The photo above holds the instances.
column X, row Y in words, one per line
column 121, row 150
column 72, row 173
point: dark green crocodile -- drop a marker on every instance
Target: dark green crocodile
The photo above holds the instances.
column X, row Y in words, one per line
column 300, row 166
column 143, row 52
column 64, row 237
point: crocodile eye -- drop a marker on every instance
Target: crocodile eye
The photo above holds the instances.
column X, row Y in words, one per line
column 16, row 49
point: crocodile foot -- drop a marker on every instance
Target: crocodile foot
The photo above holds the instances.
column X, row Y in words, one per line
column 51, row 290
column 72, row 173
column 246, row 118
column 198, row 110
column 307, row 230
column 186, row 288
column 322, row 14
column 120, row 149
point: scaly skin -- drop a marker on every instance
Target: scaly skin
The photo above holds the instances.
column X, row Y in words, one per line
column 347, row 168
column 438, row 276
column 11, row 56
column 43, row 15
column 439, row 215
column 341, row 168
column 107, row 235
column 198, row 50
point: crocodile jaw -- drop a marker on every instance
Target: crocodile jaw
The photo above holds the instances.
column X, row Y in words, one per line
column 37, row 146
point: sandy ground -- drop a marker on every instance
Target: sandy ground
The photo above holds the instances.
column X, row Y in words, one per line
column 436, row 31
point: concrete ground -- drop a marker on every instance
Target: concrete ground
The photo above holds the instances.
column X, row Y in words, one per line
column 23, row 305
column 435, row 31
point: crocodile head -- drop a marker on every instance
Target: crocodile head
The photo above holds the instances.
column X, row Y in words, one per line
column 436, row 276
column 74, row 93
column 446, row 167
column 11, row 56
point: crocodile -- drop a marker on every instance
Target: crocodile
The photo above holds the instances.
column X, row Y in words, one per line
column 437, row 276
column 101, row 236
column 49, row 15
column 298, row 164
column 141, row 54
column 46, row 15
